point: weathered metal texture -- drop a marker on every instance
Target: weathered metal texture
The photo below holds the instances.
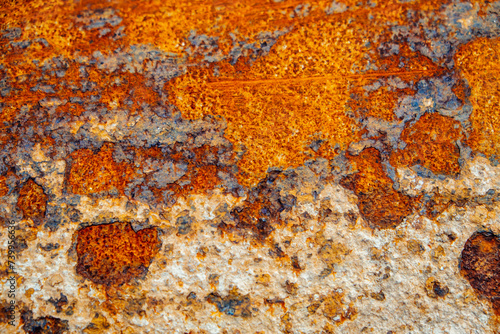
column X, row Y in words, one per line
column 257, row 166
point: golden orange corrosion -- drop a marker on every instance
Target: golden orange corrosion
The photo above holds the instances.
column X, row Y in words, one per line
column 479, row 63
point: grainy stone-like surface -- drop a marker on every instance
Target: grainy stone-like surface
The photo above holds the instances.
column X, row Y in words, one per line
column 257, row 166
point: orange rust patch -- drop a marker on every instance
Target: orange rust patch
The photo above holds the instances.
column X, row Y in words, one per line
column 4, row 189
column 431, row 143
column 279, row 105
column 200, row 177
column 479, row 63
column 92, row 173
column 378, row 202
column 379, row 103
column 205, row 178
column 480, row 265
column 201, row 172
column 273, row 124
column 113, row 254
column 32, row 200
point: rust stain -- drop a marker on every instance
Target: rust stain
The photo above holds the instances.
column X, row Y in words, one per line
column 275, row 124
column 234, row 304
column 378, row 202
column 200, row 177
column 431, row 143
column 480, row 265
column 435, row 289
column 335, row 310
column 4, row 188
column 479, row 63
column 260, row 213
column 32, row 201
column 113, row 254
column 92, row 173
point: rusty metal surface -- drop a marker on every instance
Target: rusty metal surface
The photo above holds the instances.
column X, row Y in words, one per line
column 260, row 166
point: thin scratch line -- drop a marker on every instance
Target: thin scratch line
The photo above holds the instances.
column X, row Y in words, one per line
column 318, row 78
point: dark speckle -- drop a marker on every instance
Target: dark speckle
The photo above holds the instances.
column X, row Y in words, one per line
column 276, row 252
column 435, row 289
column 43, row 325
column 183, row 224
column 49, row 247
column 59, row 303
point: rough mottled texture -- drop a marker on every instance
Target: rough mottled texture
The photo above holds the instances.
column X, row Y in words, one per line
column 113, row 254
column 250, row 166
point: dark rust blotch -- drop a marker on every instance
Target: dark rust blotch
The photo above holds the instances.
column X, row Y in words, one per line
column 480, row 265
column 43, row 325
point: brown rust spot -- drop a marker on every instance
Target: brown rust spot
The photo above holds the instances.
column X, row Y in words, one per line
column 92, row 173
column 380, row 296
column 435, row 289
column 438, row 253
column 202, row 171
column 415, row 247
column 32, row 201
column 480, row 265
column 273, row 302
column 291, row 288
column 114, row 254
column 378, row 202
column 263, row 279
column 6, row 311
column 200, row 177
column 431, row 143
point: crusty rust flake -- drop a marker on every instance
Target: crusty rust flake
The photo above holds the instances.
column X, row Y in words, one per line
column 114, row 254
column 378, row 202
column 480, row 265
column 32, row 200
